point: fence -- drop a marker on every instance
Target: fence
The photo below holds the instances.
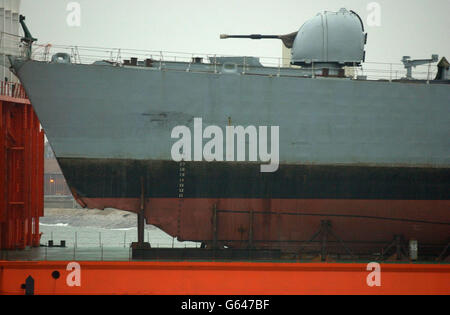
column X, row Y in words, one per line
column 12, row 89
column 91, row 245
column 114, row 238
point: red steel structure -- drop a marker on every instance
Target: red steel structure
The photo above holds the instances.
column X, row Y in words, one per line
column 21, row 169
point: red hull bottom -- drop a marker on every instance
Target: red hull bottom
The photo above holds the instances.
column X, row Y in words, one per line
column 363, row 225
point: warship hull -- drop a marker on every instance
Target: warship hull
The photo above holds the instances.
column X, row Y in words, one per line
column 370, row 158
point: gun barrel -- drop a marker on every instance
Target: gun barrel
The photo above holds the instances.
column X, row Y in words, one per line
column 288, row 39
column 252, row 36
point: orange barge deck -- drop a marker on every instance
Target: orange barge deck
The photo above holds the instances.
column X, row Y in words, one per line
column 217, row 278
column 21, row 206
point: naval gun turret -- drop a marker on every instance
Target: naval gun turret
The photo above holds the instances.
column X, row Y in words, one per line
column 329, row 40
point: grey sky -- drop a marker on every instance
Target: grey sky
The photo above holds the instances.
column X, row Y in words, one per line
column 408, row 27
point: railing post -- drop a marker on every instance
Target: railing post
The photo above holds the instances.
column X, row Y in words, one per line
column 141, row 216
column 119, row 55
column 214, row 226
column 279, row 67
column 190, row 63
column 250, row 229
column 390, row 73
column 215, row 63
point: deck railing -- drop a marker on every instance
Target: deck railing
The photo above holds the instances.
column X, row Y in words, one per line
column 12, row 89
column 10, row 44
column 160, row 60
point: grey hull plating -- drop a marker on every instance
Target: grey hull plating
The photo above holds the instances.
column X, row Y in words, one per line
column 371, row 157
column 129, row 113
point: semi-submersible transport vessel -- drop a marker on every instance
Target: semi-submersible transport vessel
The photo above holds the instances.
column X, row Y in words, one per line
column 361, row 162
